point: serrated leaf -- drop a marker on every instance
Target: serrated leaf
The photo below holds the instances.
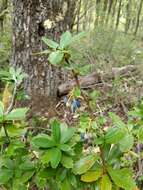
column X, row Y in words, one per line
column 114, row 135
column 122, row 178
column 84, row 164
column 17, row 114
column 105, row 183
column 55, row 157
column 52, row 44
column 43, row 141
column 65, row 40
column 56, row 57
column 117, row 120
column 126, row 143
column 92, row 176
column 67, row 162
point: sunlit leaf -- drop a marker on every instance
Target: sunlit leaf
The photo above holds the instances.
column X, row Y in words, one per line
column 65, row 40
column 122, row 178
column 126, row 143
column 91, row 176
column 17, row 114
column 52, row 44
column 84, row 164
column 56, row 57
column 105, row 183
column 67, row 161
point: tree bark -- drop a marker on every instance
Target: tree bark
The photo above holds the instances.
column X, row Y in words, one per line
column 118, row 14
column 3, row 12
column 28, row 29
column 138, row 17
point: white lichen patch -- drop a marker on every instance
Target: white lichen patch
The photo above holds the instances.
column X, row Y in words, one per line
column 48, row 24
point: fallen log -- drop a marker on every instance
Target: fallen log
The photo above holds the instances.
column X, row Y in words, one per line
column 88, row 81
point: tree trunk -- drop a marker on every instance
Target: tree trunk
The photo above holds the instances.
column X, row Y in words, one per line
column 138, row 17
column 109, row 10
column 3, row 11
column 118, row 14
column 128, row 16
column 28, row 29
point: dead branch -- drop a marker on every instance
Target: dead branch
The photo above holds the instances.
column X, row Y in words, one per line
column 91, row 80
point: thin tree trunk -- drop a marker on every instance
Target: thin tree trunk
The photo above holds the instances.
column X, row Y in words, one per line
column 138, row 17
column 78, row 16
column 28, row 29
column 98, row 4
column 118, row 15
column 128, row 16
column 109, row 10
column 3, row 8
column 113, row 14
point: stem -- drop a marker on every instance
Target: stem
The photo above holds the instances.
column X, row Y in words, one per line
column 6, row 133
column 103, row 160
column 75, row 75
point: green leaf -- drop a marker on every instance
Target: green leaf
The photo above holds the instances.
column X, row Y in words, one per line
column 84, row 164
column 50, row 43
column 47, row 173
column 65, row 40
column 66, row 134
column 55, row 157
column 65, row 147
column 43, row 141
column 76, row 92
column 1, row 109
column 27, row 176
column 56, row 131
column 114, row 154
column 65, row 185
column 14, row 131
column 126, row 143
column 46, row 157
column 27, row 166
column 140, row 134
column 79, row 36
column 5, row 175
column 122, row 178
column 106, row 183
column 67, row 162
column 56, row 57
column 17, row 114
column 114, row 135
column 117, row 120
column 92, row 176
